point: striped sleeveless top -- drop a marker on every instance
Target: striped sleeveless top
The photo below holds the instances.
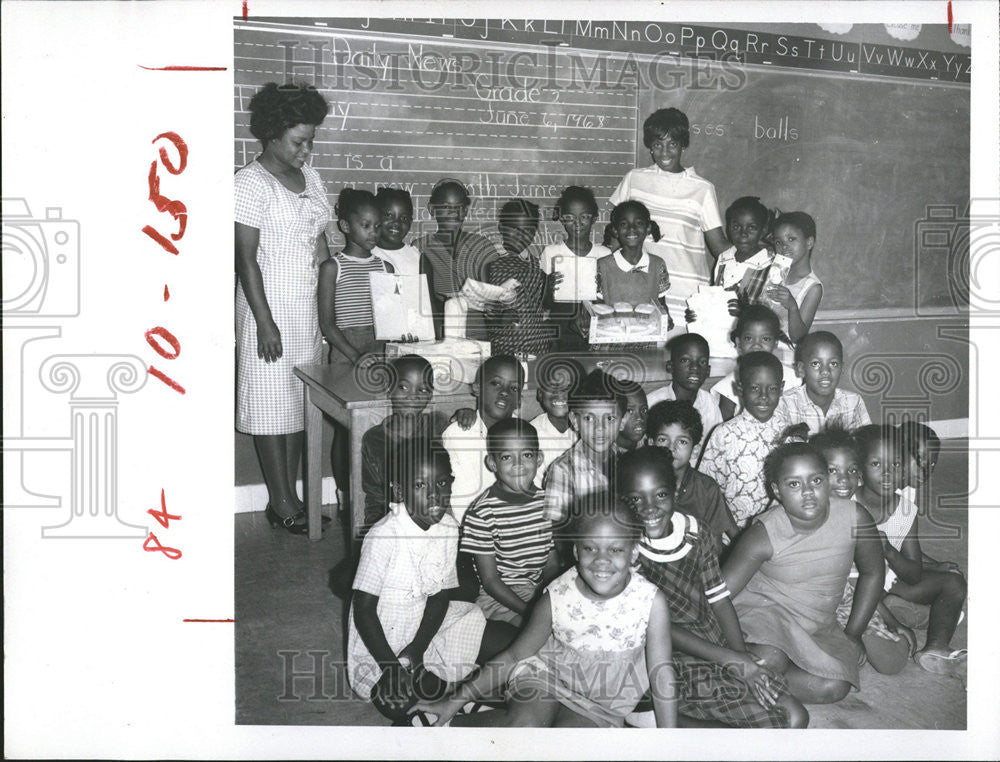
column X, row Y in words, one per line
column 353, row 293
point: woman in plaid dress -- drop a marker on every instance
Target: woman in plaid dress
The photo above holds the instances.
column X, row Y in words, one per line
column 281, row 214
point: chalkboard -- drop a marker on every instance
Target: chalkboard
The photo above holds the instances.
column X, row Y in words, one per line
column 866, row 158
column 514, row 128
column 519, row 108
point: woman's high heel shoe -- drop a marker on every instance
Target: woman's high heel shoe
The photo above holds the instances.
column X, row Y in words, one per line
column 288, row 523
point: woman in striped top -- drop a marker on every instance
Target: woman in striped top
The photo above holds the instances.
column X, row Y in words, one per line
column 345, row 294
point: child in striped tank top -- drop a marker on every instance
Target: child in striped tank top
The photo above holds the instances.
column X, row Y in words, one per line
column 345, row 294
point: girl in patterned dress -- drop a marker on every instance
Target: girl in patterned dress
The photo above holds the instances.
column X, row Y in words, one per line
column 280, row 217
column 518, row 328
column 597, row 639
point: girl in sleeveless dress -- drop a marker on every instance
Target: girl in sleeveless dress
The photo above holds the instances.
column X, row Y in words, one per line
column 787, row 574
column 796, row 302
column 597, row 639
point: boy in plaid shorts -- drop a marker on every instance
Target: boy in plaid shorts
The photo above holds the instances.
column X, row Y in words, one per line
column 721, row 683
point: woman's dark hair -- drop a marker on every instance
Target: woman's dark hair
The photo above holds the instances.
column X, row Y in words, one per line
column 624, row 206
column 351, row 199
column 573, row 194
column 275, row 108
column 666, row 121
column 757, row 313
column 385, row 195
column 777, row 457
column 750, row 204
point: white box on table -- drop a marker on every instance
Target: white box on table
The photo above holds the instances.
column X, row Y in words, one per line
column 454, row 361
column 624, row 327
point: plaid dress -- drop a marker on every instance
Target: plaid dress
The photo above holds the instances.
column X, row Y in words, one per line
column 685, row 566
column 268, row 394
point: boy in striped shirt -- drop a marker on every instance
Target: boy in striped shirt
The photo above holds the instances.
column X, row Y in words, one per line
column 504, row 530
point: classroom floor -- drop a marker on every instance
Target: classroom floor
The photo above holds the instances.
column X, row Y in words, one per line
column 290, row 634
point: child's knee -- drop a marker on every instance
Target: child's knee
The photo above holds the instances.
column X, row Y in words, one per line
column 954, row 587
column 832, row 691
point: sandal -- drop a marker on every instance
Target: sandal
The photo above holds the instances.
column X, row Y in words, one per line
column 940, row 663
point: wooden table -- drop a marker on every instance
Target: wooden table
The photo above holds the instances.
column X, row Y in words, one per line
column 335, row 390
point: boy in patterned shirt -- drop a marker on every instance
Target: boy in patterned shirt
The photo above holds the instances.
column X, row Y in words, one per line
column 504, row 530
column 734, row 455
column 721, row 683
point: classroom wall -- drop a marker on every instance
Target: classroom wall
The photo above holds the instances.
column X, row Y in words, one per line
column 868, row 132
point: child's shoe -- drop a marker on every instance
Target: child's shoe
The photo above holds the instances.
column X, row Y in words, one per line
column 942, row 662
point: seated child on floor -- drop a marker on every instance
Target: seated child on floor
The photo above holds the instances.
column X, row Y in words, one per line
column 720, row 681
column 405, row 635
column 819, row 402
column 676, row 426
column 757, row 330
column 923, row 447
column 892, row 505
column 411, row 388
column 689, row 367
column 888, row 643
column 504, row 530
column 497, row 389
column 787, row 574
column 734, row 455
column 597, row 640
column 556, row 377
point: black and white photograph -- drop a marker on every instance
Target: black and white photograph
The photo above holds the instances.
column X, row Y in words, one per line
column 588, row 379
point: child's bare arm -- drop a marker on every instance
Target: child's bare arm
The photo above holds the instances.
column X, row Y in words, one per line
column 434, row 612
column 486, row 567
column 871, row 574
column 551, row 570
column 662, row 681
column 725, row 612
column 907, row 561
column 751, row 550
column 370, row 629
column 326, row 302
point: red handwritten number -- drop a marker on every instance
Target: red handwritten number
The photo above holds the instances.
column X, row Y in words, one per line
column 164, row 334
column 172, row 553
column 161, row 515
column 176, row 209
column 182, row 152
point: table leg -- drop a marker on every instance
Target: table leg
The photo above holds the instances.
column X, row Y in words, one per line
column 358, row 427
column 314, row 466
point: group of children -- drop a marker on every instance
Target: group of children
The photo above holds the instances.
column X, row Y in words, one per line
column 663, row 218
column 703, row 557
column 607, row 555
